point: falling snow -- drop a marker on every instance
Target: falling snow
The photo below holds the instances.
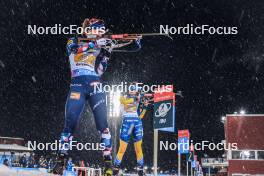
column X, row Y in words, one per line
column 2, row 64
column 33, row 78
column 212, row 74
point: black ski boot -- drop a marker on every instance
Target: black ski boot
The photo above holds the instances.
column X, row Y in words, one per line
column 60, row 164
column 62, row 153
column 108, row 168
column 140, row 170
column 116, row 170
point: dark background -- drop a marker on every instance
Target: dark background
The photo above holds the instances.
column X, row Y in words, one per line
column 218, row 74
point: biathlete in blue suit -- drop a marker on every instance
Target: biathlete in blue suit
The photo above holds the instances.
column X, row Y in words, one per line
column 88, row 61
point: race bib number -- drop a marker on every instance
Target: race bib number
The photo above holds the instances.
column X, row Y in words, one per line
column 84, row 59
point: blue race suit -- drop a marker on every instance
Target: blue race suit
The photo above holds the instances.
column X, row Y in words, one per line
column 88, row 62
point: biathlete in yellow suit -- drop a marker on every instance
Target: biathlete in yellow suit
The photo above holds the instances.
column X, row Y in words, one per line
column 133, row 112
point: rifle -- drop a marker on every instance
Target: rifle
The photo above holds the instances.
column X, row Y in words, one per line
column 113, row 41
column 121, row 37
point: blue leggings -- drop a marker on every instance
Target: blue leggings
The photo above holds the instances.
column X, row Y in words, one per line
column 80, row 91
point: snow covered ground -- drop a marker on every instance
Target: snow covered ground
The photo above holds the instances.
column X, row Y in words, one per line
column 6, row 171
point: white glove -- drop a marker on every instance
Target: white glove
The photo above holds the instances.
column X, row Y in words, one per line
column 101, row 42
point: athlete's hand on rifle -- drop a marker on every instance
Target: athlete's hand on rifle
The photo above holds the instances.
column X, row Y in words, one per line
column 101, row 42
column 147, row 99
column 146, row 102
column 138, row 42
